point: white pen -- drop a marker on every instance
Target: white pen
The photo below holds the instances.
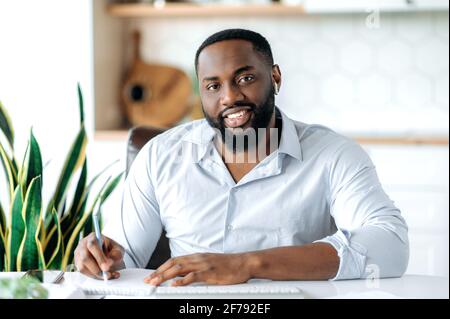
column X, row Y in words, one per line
column 98, row 235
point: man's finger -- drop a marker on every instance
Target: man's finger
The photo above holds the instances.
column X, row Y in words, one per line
column 115, row 254
column 188, row 279
column 87, row 264
column 178, row 269
column 161, row 269
column 102, row 261
column 89, row 267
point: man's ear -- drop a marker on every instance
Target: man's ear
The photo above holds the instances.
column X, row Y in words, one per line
column 276, row 76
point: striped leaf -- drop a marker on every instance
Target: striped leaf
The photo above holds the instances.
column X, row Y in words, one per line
column 30, row 253
column 80, row 104
column 73, row 161
column 41, row 258
column 101, row 197
column 16, row 229
column 69, row 218
column 56, row 259
column 2, row 222
column 110, row 188
column 80, row 226
column 88, row 227
column 78, row 207
column 10, row 171
column 33, row 162
column 23, row 169
column 6, row 126
column 2, row 253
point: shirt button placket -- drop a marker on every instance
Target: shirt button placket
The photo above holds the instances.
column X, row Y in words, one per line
column 228, row 226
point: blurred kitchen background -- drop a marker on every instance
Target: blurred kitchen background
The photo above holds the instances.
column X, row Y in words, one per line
column 374, row 70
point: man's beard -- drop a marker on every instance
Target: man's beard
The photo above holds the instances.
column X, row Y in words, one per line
column 262, row 115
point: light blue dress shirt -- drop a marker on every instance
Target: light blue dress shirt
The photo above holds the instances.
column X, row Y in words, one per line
column 317, row 187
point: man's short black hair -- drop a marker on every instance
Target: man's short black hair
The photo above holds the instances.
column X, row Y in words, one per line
column 260, row 44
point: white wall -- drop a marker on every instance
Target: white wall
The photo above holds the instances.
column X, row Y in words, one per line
column 45, row 49
column 337, row 71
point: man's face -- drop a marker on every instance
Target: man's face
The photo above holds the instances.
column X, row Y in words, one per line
column 236, row 86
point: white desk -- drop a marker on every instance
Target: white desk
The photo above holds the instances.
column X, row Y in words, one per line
column 408, row 286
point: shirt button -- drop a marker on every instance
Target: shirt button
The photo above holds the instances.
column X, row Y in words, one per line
column 230, row 227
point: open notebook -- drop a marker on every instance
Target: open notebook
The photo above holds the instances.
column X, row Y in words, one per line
column 131, row 283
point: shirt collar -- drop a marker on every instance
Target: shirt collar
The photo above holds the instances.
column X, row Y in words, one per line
column 289, row 142
column 202, row 135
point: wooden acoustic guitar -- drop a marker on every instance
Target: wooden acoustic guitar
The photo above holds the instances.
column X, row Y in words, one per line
column 153, row 94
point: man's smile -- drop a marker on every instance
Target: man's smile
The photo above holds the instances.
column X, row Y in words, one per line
column 237, row 117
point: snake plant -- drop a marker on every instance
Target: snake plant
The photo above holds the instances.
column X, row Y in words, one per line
column 38, row 236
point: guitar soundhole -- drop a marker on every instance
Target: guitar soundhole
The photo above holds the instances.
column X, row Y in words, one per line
column 137, row 93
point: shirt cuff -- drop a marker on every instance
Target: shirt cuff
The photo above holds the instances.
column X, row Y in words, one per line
column 352, row 255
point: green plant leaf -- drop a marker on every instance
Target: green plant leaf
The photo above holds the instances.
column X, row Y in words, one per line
column 16, row 229
column 101, row 197
column 30, row 253
column 80, row 103
column 32, row 164
column 74, row 159
column 67, row 219
column 80, row 226
column 110, row 188
column 2, row 253
column 10, row 171
column 78, row 207
column 88, row 226
column 22, row 170
column 71, row 259
column 6, row 126
column 2, row 223
column 56, row 258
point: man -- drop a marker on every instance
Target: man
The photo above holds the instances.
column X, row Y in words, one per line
column 309, row 208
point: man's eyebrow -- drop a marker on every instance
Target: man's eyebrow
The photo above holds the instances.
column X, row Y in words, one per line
column 240, row 70
column 243, row 69
column 211, row 78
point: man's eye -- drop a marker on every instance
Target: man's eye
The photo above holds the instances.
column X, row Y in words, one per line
column 212, row 87
column 246, row 78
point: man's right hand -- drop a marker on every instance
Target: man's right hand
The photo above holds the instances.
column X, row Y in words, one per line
column 91, row 260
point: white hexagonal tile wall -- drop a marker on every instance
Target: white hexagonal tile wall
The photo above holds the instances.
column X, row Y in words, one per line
column 409, row 29
column 303, row 87
column 373, row 91
column 395, row 57
column 317, row 57
column 337, row 28
column 336, row 64
column 337, row 91
column 301, row 31
column 432, row 56
column 441, row 24
column 356, row 57
column 441, row 91
column 414, row 91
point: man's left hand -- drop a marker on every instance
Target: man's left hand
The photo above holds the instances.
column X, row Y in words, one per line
column 220, row 269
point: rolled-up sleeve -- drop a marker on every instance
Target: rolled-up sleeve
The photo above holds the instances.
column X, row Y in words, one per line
column 139, row 227
column 372, row 236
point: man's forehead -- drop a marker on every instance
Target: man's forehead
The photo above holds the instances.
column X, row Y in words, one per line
column 227, row 54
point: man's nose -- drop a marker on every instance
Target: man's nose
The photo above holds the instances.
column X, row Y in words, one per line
column 231, row 94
